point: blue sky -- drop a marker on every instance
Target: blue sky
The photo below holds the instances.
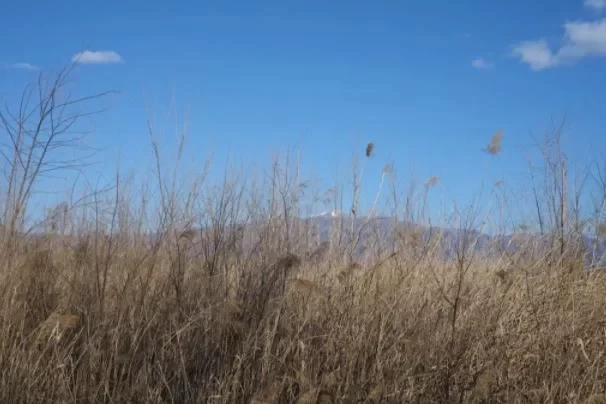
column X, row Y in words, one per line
column 427, row 82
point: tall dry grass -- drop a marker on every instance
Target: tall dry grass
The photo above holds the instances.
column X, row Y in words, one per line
column 224, row 295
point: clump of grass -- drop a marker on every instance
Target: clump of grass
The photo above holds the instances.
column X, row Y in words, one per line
column 409, row 327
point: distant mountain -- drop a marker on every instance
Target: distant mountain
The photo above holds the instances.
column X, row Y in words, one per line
column 387, row 232
column 382, row 228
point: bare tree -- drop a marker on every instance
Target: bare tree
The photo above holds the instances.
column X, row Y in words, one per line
column 39, row 138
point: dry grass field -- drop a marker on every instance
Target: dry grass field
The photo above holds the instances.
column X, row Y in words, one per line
column 95, row 310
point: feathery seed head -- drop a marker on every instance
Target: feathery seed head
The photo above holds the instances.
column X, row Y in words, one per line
column 370, row 147
column 494, row 147
column 432, row 181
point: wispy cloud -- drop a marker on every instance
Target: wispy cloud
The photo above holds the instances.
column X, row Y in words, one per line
column 481, row 64
column 596, row 4
column 20, row 66
column 581, row 39
column 97, row 57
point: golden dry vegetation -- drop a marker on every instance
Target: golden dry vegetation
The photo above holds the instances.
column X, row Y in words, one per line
column 94, row 309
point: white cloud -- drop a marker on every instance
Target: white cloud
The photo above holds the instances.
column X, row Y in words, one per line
column 481, row 64
column 20, row 66
column 97, row 57
column 596, row 4
column 535, row 53
column 581, row 39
